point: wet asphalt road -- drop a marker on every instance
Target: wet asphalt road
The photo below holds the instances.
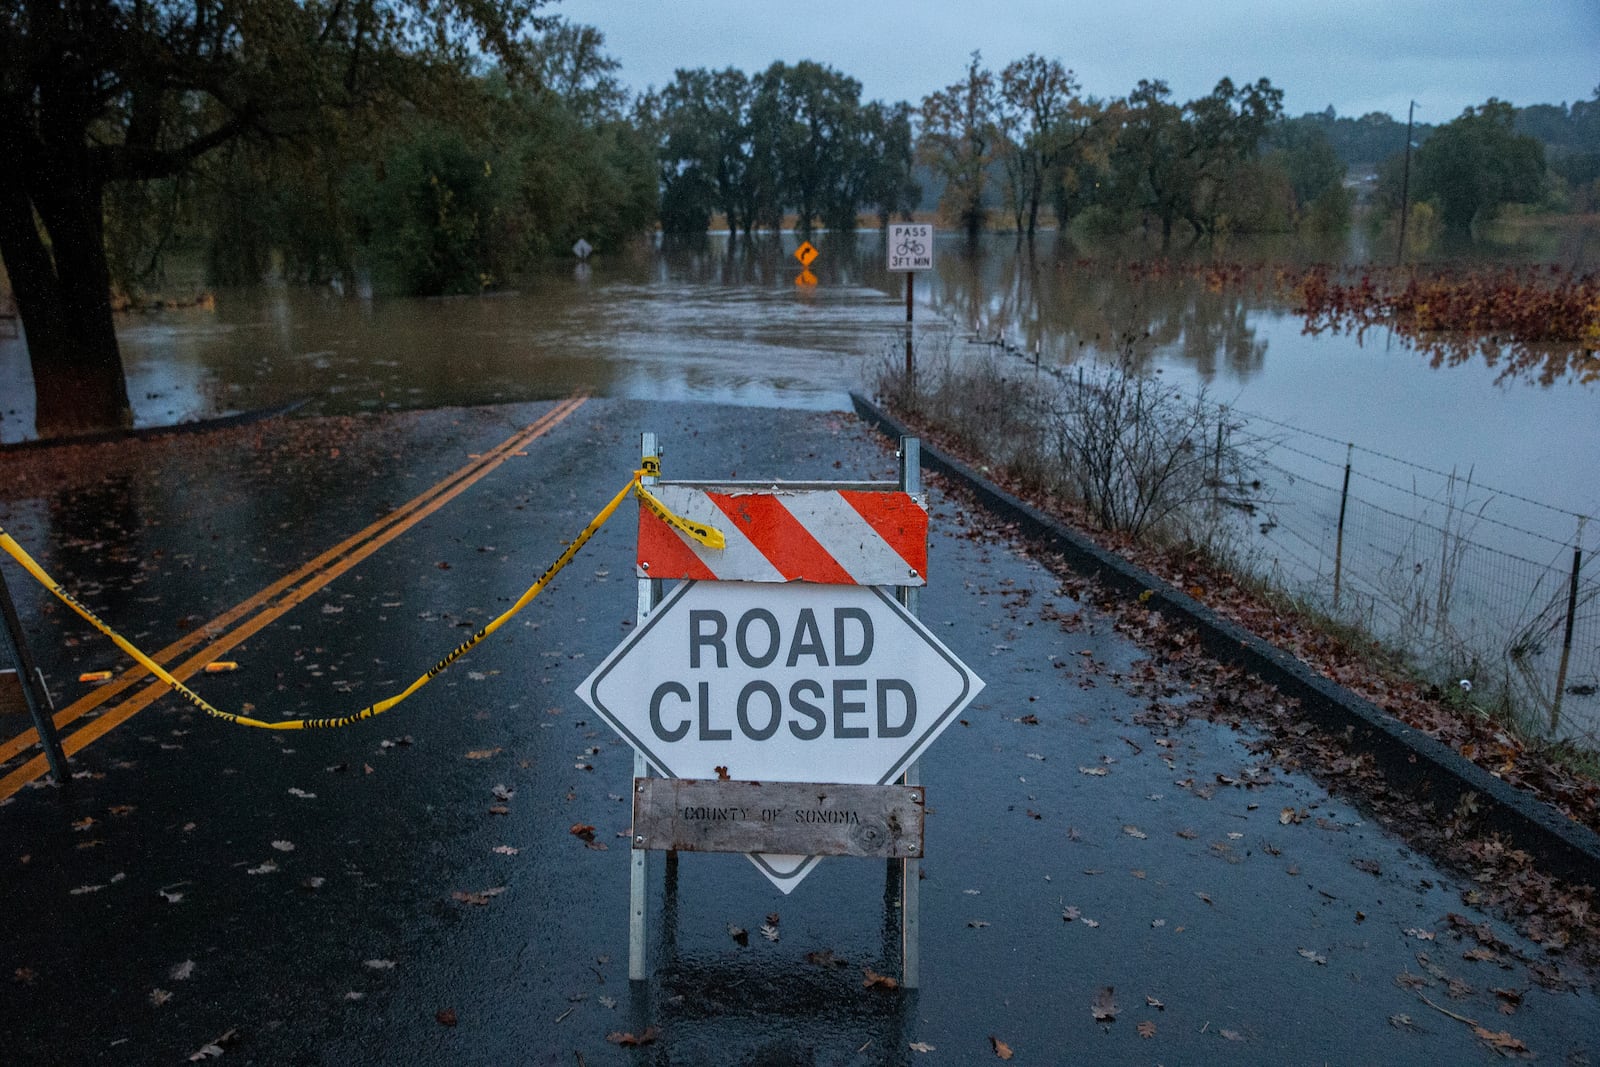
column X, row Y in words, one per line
column 407, row 890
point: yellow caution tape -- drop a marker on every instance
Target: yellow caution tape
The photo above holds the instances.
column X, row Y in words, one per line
column 652, row 466
column 706, row 535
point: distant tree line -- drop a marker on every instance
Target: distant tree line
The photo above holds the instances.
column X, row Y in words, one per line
column 444, row 147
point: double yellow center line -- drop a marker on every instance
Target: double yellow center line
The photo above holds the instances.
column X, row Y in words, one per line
column 234, row 626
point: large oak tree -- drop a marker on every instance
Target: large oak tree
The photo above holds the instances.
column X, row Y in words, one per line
column 94, row 92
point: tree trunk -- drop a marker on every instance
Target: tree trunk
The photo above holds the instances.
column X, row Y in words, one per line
column 63, row 294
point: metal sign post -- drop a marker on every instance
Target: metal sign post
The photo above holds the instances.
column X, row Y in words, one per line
column 910, row 249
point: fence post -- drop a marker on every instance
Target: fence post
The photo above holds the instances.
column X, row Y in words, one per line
column 1338, row 543
column 1216, row 454
column 1566, row 637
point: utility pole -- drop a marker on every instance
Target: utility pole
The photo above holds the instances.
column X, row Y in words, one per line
column 1405, row 186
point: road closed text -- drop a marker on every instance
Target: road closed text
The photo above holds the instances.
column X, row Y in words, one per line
column 831, row 704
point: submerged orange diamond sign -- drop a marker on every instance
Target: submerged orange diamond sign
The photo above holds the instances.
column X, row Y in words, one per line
column 807, row 253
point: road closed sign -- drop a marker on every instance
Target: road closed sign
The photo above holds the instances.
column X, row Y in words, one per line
column 910, row 246
column 795, row 682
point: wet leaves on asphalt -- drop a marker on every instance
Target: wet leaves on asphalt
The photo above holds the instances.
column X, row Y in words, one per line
column 480, row 898
column 629, row 1040
column 217, row 1047
column 873, row 980
column 1104, row 1006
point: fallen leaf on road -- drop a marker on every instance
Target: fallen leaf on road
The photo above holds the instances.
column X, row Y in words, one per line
column 826, row 958
column 920, row 1046
column 1147, row 1029
column 1098, row 772
column 739, row 934
column 631, row 1041
column 506, row 850
column 479, row 899
column 1313, row 957
column 379, row 965
column 1419, row 934
column 874, row 980
column 183, row 971
column 1134, row 831
column 445, row 1016
column 1510, row 1000
column 582, row 831
column 483, row 753
column 1104, row 1006
column 215, row 1048
column 159, row 997
column 1001, row 1049
column 1501, row 1041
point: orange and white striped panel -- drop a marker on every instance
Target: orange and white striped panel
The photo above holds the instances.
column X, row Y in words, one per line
column 829, row 536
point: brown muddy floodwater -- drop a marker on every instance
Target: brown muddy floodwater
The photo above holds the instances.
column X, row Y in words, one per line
column 1432, row 442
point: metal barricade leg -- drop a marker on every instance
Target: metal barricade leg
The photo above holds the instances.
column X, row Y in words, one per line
column 33, row 691
column 911, row 869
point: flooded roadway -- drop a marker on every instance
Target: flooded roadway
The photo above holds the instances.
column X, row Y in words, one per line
column 409, row 890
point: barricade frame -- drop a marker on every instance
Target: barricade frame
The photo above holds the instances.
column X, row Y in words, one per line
column 905, row 871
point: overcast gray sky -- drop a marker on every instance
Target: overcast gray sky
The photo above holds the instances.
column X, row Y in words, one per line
column 1358, row 55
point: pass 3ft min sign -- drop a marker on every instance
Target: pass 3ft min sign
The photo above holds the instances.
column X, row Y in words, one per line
column 794, row 682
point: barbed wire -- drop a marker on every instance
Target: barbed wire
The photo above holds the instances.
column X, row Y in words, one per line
column 1417, row 521
column 1404, row 462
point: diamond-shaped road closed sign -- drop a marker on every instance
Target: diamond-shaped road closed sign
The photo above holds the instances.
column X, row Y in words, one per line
column 796, row 682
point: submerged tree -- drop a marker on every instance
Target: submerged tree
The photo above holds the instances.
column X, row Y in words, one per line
column 1477, row 162
column 1175, row 163
column 96, row 92
column 960, row 136
column 1045, row 126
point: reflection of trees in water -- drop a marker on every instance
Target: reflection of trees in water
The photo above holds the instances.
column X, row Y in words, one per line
column 1069, row 307
column 1532, row 323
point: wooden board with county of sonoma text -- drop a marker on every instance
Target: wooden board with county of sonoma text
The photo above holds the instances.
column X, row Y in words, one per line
column 803, row 818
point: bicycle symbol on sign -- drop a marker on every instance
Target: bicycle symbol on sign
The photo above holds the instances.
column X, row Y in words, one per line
column 910, row 247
